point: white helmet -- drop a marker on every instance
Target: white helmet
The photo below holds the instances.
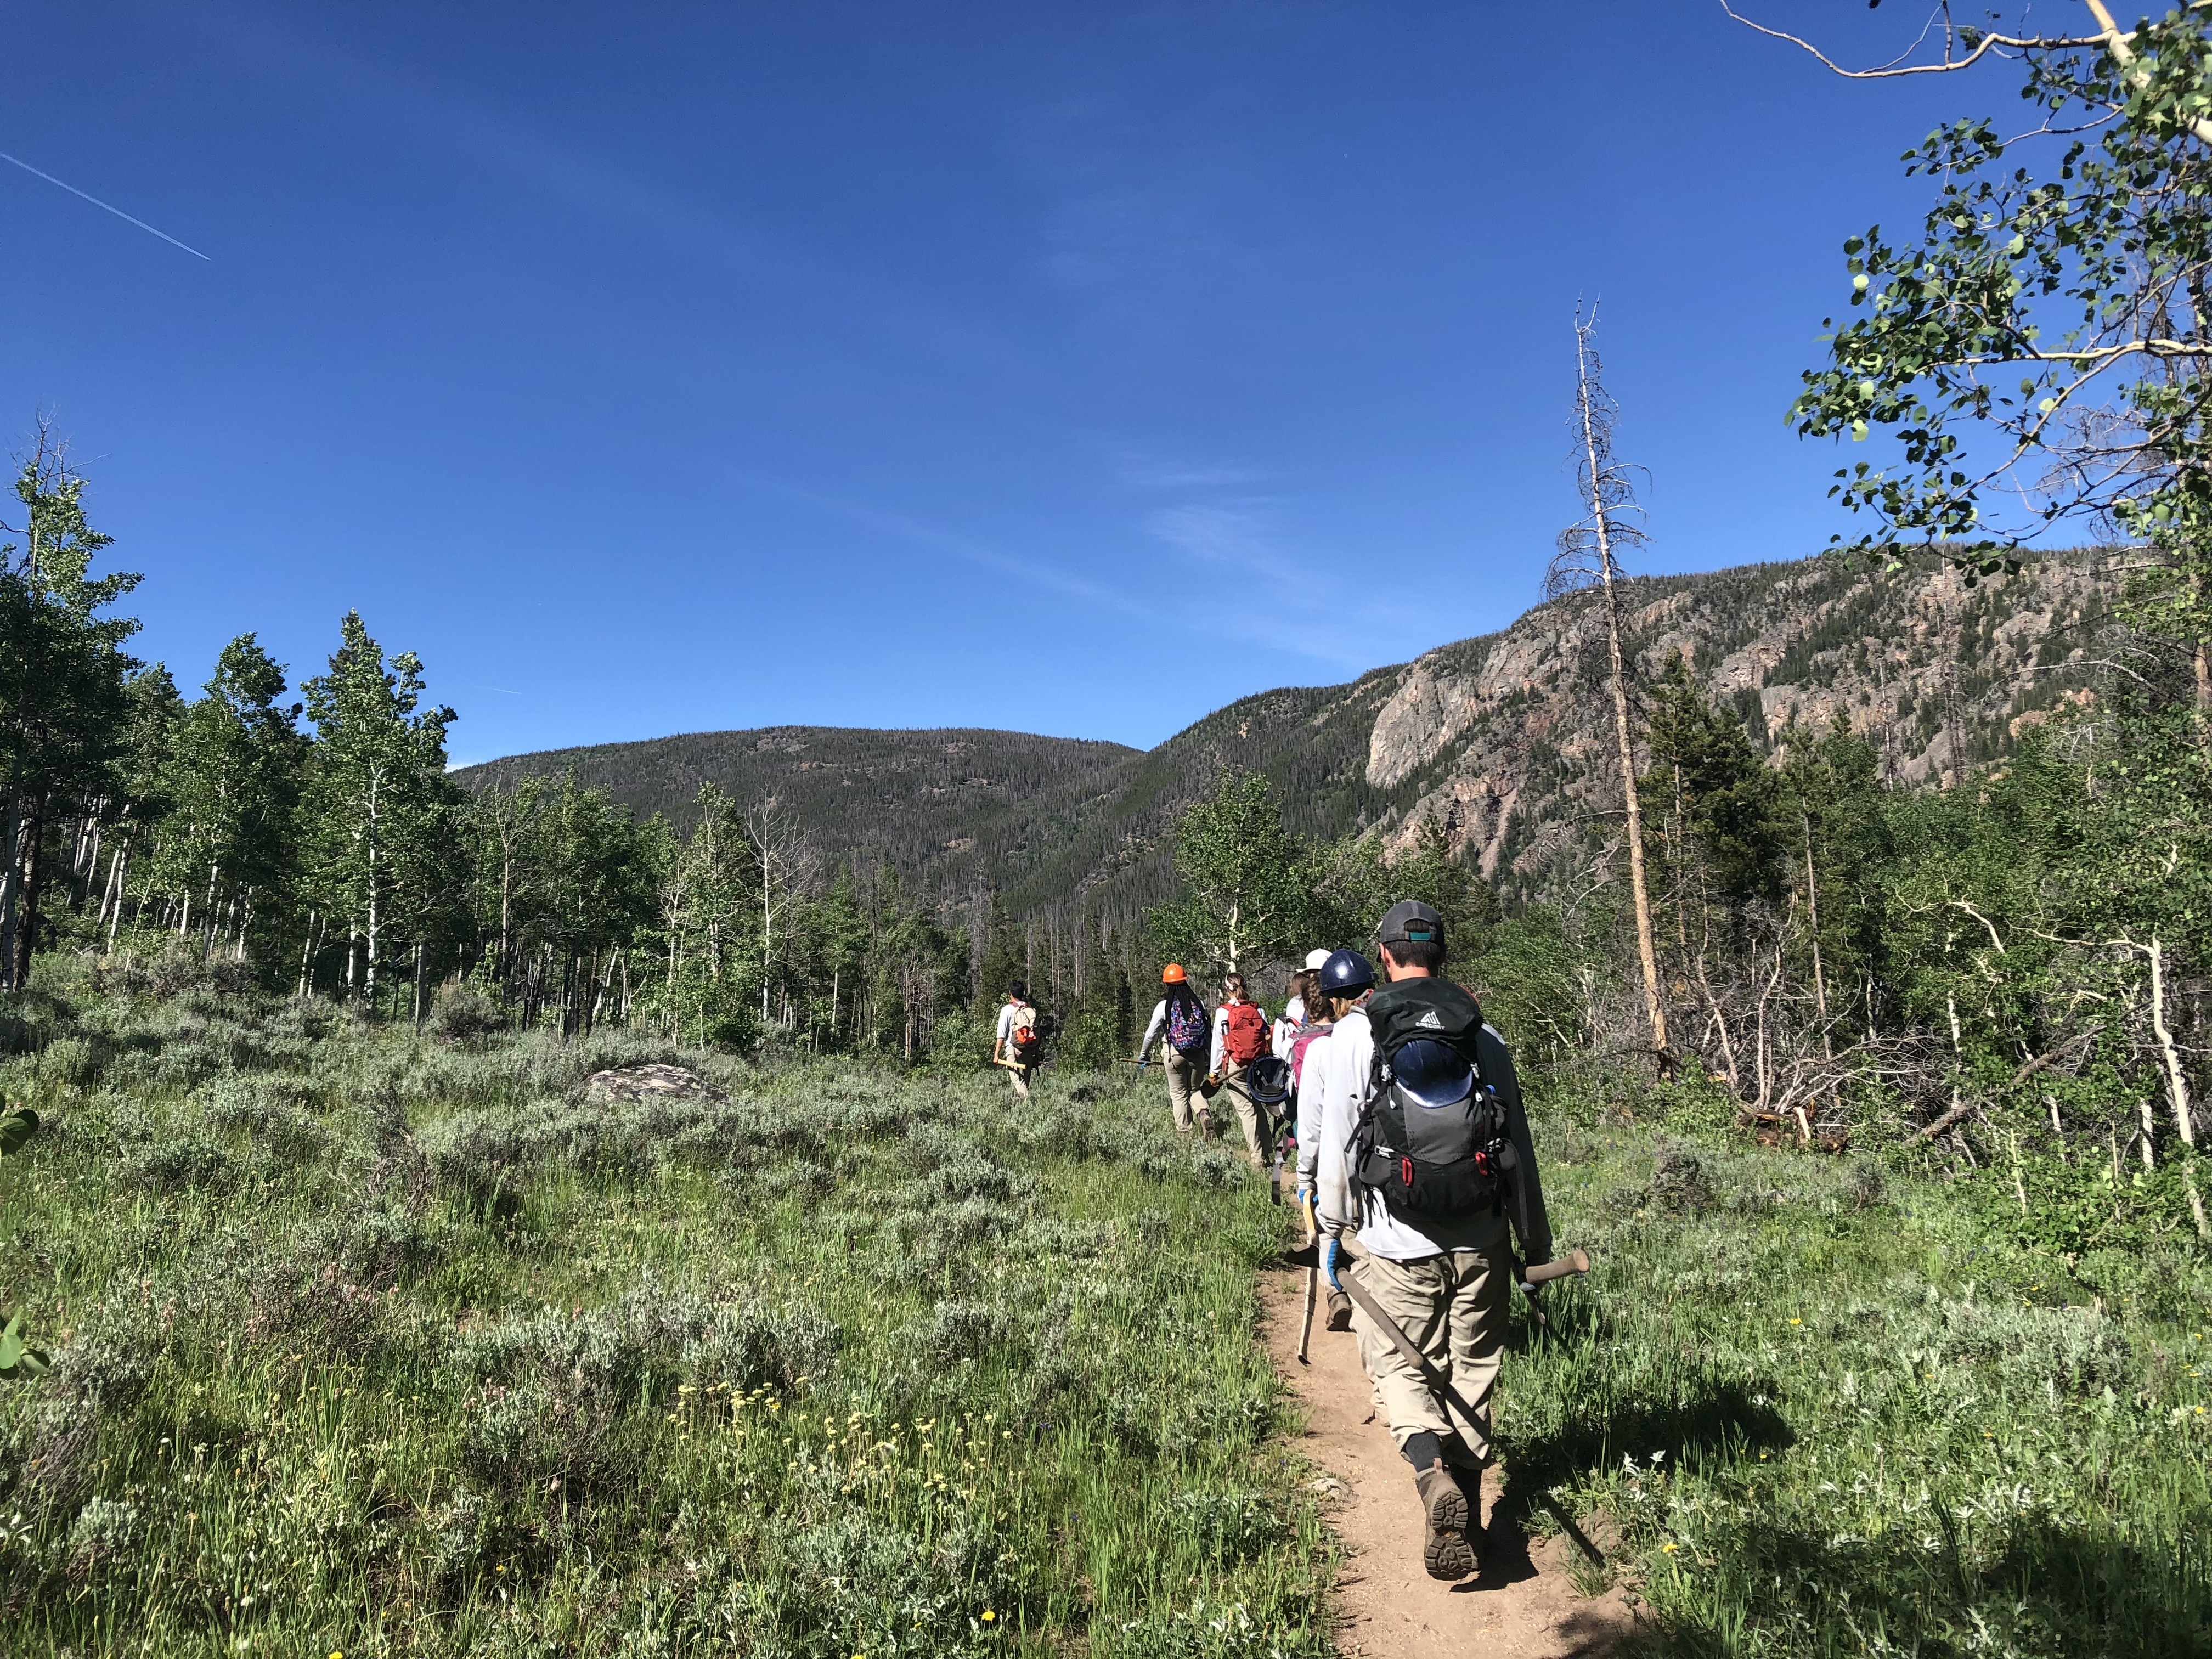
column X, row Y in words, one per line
column 1314, row 958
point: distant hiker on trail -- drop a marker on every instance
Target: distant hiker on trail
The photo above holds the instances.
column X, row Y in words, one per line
column 1296, row 1011
column 1019, row 1044
column 1241, row 1035
column 1179, row 1020
column 1425, row 1161
column 1345, row 982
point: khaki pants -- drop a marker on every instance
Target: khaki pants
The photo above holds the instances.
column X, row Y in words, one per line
column 1185, row 1077
column 1019, row 1076
column 1455, row 1308
column 1233, row 1085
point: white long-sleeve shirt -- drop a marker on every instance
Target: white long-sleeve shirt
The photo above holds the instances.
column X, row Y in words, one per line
column 1286, row 1028
column 1152, row 1027
column 1350, row 1056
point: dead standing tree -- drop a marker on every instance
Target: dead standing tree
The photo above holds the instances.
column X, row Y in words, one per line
column 1588, row 556
column 787, row 863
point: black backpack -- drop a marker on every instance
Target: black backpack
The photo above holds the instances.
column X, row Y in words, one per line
column 1430, row 1163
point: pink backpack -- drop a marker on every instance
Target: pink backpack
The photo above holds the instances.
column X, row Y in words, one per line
column 1299, row 1044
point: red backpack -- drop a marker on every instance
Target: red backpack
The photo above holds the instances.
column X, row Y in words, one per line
column 1307, row 1035
column 1244, row 1032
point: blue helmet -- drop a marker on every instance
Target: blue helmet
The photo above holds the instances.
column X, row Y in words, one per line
column 1347, row 974
column 1433, row 1074
column 1269, row 1080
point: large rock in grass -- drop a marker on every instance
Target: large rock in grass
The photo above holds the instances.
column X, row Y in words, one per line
column 643, row 1083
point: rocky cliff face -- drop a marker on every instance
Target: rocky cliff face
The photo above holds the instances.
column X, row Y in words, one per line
column 1510, row 736
column 1507, row 737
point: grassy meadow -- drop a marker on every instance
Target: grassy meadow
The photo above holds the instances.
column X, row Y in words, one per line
column 370, row 1344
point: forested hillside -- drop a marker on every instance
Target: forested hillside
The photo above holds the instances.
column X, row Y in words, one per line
column 962, row 805
column 1500, row 736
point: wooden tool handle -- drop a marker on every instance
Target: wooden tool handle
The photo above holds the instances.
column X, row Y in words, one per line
column 1573, row 1262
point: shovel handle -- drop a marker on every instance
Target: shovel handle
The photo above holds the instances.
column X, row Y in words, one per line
column 1573, row 1262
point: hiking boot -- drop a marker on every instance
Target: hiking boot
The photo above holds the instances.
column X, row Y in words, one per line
column 1446, row 1554
column 1206, row 1126
column 1469, row 1476
column 1340, row 1311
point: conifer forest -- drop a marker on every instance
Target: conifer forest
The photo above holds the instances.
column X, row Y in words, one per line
column 567, row 1205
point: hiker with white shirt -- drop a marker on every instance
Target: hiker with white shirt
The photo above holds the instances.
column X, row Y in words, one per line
column 1343, row 982
column 1304, row 996
column 1241, row 1035
column 1424, row 1174
column 1018, row 1042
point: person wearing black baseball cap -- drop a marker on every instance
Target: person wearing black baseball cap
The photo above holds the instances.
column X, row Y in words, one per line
column 1409, row 922
column 1425, row 1161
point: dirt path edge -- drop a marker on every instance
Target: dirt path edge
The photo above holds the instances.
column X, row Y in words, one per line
column 1522, row 1604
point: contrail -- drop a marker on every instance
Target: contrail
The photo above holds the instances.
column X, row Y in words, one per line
column 97, row 203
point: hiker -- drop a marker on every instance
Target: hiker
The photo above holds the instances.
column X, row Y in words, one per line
column 1345, row 982
column 1424, row 1172
column 1179, row 1020
column 1019, row 1044
column 1241, row 1035
column 1304, row 984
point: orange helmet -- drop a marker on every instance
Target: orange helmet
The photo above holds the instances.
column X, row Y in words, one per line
column 1172, row 974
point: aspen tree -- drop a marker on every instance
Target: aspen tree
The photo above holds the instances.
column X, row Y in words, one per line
column 1249, row 885
column 378, row 789
column 231, row 782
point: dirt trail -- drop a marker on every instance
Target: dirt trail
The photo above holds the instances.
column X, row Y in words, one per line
column 1521, row 1605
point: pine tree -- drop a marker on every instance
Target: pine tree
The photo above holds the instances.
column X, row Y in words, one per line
column 63, row 675
column 1002, row 960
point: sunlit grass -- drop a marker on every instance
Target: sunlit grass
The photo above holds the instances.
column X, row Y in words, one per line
column 374, row 1346
column 847, row 1365
column 1826, row 1424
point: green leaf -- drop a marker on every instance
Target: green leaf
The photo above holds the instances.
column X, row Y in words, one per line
column 17, row 1360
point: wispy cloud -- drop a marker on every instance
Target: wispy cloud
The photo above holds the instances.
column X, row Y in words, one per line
column 1234, row 536
column 1025, row 568
column 1271, row 599
column 1302, row 604
column 1138, row 470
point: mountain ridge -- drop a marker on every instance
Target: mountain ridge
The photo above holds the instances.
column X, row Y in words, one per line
column 1506, row 736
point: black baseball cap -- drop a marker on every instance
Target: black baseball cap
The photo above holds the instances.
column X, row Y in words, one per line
column 1411, row 922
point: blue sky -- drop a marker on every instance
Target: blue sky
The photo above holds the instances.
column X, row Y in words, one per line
column 1070, row 367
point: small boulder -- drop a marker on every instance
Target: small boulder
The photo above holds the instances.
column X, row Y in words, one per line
column 656, row 1082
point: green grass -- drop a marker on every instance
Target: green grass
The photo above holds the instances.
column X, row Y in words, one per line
column 372, row 1346
column 391, row 1349
column 1829, row 1415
